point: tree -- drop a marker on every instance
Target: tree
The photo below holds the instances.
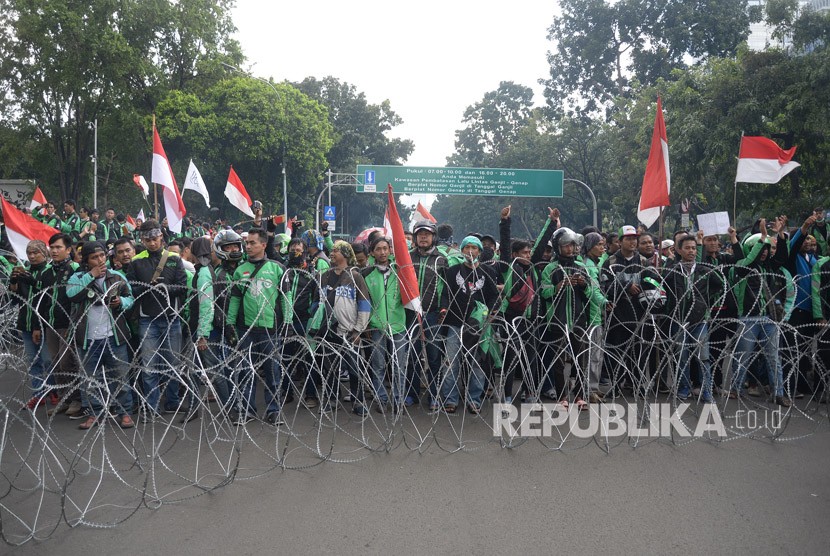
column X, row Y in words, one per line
column 492, row 125
column 65, row 64
column 603, row 47
column 360, row 137
column 248, row 124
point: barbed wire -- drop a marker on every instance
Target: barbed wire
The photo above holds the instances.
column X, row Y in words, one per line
column 342, row 398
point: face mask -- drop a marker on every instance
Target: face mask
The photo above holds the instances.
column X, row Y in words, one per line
column 296, row 260
column 408, row 244
column 487, row 254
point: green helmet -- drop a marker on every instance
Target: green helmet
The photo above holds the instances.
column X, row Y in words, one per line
column 750, row 241
column 281, row 241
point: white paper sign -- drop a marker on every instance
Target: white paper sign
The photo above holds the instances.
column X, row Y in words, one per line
column 713, row 223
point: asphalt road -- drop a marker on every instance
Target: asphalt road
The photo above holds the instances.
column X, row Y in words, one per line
column 743, row 496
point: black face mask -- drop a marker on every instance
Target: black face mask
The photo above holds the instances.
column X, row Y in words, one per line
column 296, row 260
column 487, row 254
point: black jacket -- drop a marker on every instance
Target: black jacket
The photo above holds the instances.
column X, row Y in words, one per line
column 167, row 294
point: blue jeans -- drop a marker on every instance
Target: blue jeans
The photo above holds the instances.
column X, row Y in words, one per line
column 161, row 342
column 102, row 388
column 758, row 334
column 395, row 349
column 215, row 358
column 258, row 348
column 693, row 340
column 433, row 336
column 39, row 359
column 475, row 385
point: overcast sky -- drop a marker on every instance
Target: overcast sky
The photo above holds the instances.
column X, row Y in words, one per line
column 430, row 58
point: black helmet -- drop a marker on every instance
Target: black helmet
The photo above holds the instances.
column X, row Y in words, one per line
column 424, row 225
column 227, row 237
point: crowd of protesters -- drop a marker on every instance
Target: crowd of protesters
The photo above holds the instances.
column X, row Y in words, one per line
column 122, row 321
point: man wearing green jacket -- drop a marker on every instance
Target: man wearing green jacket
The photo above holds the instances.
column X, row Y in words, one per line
column 387, row 327
column 254, row 309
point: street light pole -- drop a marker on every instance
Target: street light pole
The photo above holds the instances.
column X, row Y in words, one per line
column 95, row 167
column 593, row 198
column 284, row 177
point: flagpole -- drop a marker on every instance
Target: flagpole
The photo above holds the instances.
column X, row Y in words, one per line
column 155, row 186
column 659, row 259
column 735, row 190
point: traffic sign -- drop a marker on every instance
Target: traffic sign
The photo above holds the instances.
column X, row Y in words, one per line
column 463, row 181
column 328, row 212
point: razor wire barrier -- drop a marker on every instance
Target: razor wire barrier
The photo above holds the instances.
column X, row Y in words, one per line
column 544, row 380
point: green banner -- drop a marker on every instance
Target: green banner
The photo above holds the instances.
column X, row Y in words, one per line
column 502, row 182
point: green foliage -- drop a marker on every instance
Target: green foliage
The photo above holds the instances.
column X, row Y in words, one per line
column 360, row 137
column 602, row 47
column 248, row 124
column 65, row 64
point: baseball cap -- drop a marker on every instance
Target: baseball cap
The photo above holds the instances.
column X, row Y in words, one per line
column 628, row 231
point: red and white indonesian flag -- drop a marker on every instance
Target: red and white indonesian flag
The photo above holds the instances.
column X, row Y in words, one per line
column 387, row 226
column 141, row 183
column 422, row 212
column 761, row 160
column 407, row 281
column 38, row 200
column 657, row 180
column 163, row 175
column 131, row 221
column 237, row 195
column 22, row 228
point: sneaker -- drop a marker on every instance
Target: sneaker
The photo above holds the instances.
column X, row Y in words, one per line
column 73, row 409
column 344, row 376
column 359, row 409
column 188, row 417
column 176, row 409
column 274, row 418
column 683, row 394
column 126, row 422
column 347, row 398
column 473, row 409
column 311, row 402
column 782, row 401
column 409, row 401
column 92, row 421
column 595, row 397
column 34, row 403
column 82, row 414
column 696, row 391
column 755, row 392
column 434, row 406
column 54, row 399
column 325, row 407
column 244, row 418
column 706, row 398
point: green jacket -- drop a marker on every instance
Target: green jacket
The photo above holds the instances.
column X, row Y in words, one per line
column 388, row 313
column 255, row 303
column 596, row 298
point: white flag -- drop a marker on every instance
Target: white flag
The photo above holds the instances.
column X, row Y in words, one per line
column 140, row 215
column 194, row 182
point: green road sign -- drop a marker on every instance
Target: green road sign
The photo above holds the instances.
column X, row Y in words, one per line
column 501, row 182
